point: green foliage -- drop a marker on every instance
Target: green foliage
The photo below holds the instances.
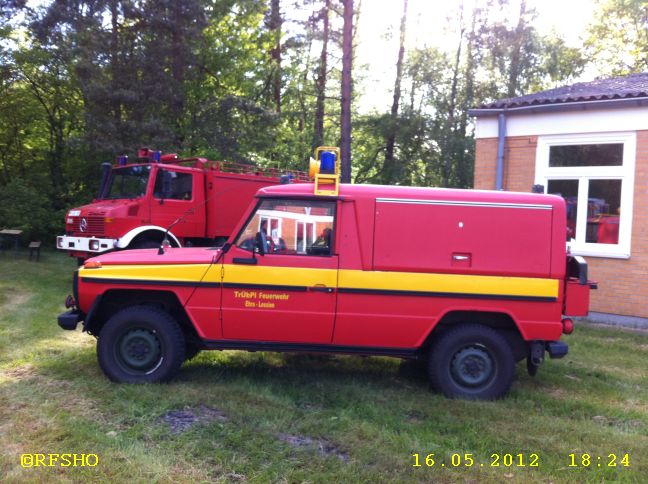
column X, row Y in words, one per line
column 241, row 80
column 24, row 207
column 618, row 38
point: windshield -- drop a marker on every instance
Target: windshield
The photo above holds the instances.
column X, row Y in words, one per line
column 127, row 182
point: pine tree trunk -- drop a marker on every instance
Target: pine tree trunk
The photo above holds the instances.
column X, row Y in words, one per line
column 320, row 84
column 514, row 72
column 449, row 141
column 389, row 169
column 275, row 53
column 346, row 91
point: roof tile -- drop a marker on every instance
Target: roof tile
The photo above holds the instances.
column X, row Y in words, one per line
column 632, row 86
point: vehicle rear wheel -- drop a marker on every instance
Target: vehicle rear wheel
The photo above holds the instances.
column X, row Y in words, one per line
column 140, row 344
column 472, row 362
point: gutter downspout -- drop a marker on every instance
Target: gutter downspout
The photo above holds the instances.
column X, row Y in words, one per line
column 501, row 139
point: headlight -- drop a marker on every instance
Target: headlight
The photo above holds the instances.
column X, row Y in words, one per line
column 94, row 245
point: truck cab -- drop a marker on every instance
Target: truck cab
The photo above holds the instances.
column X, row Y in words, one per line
column 471, row 282
column 190, row 201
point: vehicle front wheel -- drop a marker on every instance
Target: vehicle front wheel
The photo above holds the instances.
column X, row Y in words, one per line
column 140, row 344
column 473, row 362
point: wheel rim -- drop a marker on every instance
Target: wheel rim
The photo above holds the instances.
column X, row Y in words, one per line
column 472, row 367
column 139, row 351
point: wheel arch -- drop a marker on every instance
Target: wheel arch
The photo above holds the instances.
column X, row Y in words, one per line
column 146, row 231
column 498, row 320
column 114, row 300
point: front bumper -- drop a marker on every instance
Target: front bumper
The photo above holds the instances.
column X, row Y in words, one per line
column 69, row 319
column 85, row 244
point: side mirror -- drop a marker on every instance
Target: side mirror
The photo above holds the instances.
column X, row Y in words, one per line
column 260, row 243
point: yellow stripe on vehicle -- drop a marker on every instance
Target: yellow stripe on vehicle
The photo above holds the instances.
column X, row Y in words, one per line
column 449, row 283
column 280, row 276
column 160, row 273
column 346, row 280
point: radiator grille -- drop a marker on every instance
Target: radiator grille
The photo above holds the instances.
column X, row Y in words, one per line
column 95, row 225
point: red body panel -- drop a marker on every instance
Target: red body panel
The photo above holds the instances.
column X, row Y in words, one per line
column 475, row 240
column 576, row 298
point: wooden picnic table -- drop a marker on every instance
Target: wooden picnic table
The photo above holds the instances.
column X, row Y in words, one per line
column 11, row 234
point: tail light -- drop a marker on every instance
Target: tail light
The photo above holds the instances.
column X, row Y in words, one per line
column 568, row 326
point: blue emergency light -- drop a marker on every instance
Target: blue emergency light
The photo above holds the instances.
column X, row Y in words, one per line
column 325, row 171
column 122, row 160
column 156, row 156
column 327, row 162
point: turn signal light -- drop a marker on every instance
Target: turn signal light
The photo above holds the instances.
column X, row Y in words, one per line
column 92, row 264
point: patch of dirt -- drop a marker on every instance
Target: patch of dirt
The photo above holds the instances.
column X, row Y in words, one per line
column 234, row 477
column 324, row 447
column 18, row 372
column 311, row 407
column 618, row 423
column 13, row 300
column 179, row 421
column 415, row 417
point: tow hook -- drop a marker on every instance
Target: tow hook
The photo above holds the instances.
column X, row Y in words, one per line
column 536, row 356
column 70, row 303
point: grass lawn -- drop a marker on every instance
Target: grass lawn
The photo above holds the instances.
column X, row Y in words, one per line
column 235, row 416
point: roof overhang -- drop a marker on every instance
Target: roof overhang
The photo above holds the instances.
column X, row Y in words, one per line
column 561, row 107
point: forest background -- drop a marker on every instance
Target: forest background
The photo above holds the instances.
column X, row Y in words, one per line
column 266, row 81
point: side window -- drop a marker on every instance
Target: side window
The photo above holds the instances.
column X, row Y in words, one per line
column 174, row 185
column 297, row 227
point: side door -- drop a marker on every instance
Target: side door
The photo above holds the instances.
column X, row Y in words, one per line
column 289, row 293
column 179, row 192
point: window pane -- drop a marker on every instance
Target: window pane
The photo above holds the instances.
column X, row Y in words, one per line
column 127, row 182
column 173, row 185
column 568, row 189
column 603, row 211
column 586, row 155
column 292, row 227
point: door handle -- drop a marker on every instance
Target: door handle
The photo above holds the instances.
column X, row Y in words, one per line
column 460, row 257
column 321, row 289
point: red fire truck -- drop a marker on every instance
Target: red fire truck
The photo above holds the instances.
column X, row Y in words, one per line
column 470, row 281
column 137, row 202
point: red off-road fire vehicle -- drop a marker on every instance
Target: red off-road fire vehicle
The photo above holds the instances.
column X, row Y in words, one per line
column 471, row 281
column 137, row 202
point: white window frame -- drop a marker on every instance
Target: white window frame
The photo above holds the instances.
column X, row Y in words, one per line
column 544, row 173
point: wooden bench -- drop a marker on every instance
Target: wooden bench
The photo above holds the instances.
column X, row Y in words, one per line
column 34, row 247
column 9, row 234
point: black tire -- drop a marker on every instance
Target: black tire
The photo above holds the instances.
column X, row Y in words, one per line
column 140, row 344
column 472, row 362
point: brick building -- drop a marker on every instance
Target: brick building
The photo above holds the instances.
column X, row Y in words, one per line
column 587, row 142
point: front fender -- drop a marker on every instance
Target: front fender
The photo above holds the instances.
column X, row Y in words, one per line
column 90, row 319
column 125, row 241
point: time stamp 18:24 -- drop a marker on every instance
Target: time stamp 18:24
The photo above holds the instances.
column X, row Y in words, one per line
column 519, row 460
